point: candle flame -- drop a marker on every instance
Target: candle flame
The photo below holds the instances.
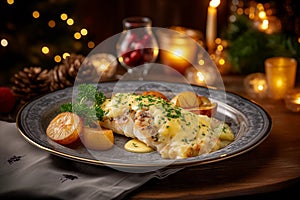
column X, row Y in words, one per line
column 297, row 101
column 260, row 87
column 214, row 3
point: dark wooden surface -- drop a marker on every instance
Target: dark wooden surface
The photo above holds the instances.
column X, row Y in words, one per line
column 270, row 170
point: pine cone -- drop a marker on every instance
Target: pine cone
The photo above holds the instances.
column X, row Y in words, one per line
column 64, row 75
column 30, row 83
column 87, row 73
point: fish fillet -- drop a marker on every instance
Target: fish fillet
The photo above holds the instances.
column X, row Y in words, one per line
column 174, row 132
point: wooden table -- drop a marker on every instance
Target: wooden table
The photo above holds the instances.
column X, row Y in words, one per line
column 272, row 166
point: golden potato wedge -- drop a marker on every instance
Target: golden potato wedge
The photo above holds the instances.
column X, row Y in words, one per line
column 65, row 128
column 97, row 138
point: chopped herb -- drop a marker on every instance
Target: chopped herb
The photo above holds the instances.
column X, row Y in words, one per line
column 185, row 141
column 224, row 129
column 135, row 145
column 140, row 105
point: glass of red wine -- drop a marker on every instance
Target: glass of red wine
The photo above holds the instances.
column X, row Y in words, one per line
column 137, row 45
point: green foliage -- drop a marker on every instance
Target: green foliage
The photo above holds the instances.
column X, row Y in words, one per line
column 248, row 47
column 248, row 52
column 87, row 105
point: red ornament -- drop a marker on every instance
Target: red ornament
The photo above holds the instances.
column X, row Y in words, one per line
column 7, row 100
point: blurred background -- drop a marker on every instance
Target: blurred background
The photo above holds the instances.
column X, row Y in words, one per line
column 43, row 32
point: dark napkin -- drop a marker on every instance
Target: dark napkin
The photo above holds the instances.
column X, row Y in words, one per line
column 27, row 172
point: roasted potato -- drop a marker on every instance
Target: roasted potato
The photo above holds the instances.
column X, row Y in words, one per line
column 195, row 103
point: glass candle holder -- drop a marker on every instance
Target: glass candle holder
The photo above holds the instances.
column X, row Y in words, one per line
column 256, row 85
column 177, row 49
column 292, row 100
column 105, row 64
column 281, row 75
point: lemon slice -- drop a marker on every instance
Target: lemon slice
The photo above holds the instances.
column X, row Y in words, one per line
column 64, row 128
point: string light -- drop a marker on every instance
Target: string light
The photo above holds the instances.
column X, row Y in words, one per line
column 221, row 61
column 57, row 58
column 262, row 14
column 220, row 47
column 35, row 14
column 10, row 2
column 4, row 42
column 77, row 35
column 91, row 44
column 51, row 24
column 265, row 24
column 49, row 53
column 83, row 31
column 65, row 55
column 63, row 16
column 240, row 11
column 45, row 50
column 70, row 21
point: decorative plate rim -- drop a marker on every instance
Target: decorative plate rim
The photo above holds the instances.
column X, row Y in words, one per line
column 199, row 160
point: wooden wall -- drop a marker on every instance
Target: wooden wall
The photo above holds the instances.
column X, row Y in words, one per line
column 104, row 17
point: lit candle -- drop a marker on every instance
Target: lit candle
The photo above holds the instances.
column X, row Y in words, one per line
column 281, row 75
column 256, row 85
column 211, row 24
column 176, row 58
column 105, row 64
column 292, row 100
column 177, row 50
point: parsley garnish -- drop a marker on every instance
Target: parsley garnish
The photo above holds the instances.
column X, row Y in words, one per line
column 88, row 104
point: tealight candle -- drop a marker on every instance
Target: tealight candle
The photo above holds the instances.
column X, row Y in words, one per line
column 292, row 100
column 281, row 75
column 105, row 64
column 256, row 85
